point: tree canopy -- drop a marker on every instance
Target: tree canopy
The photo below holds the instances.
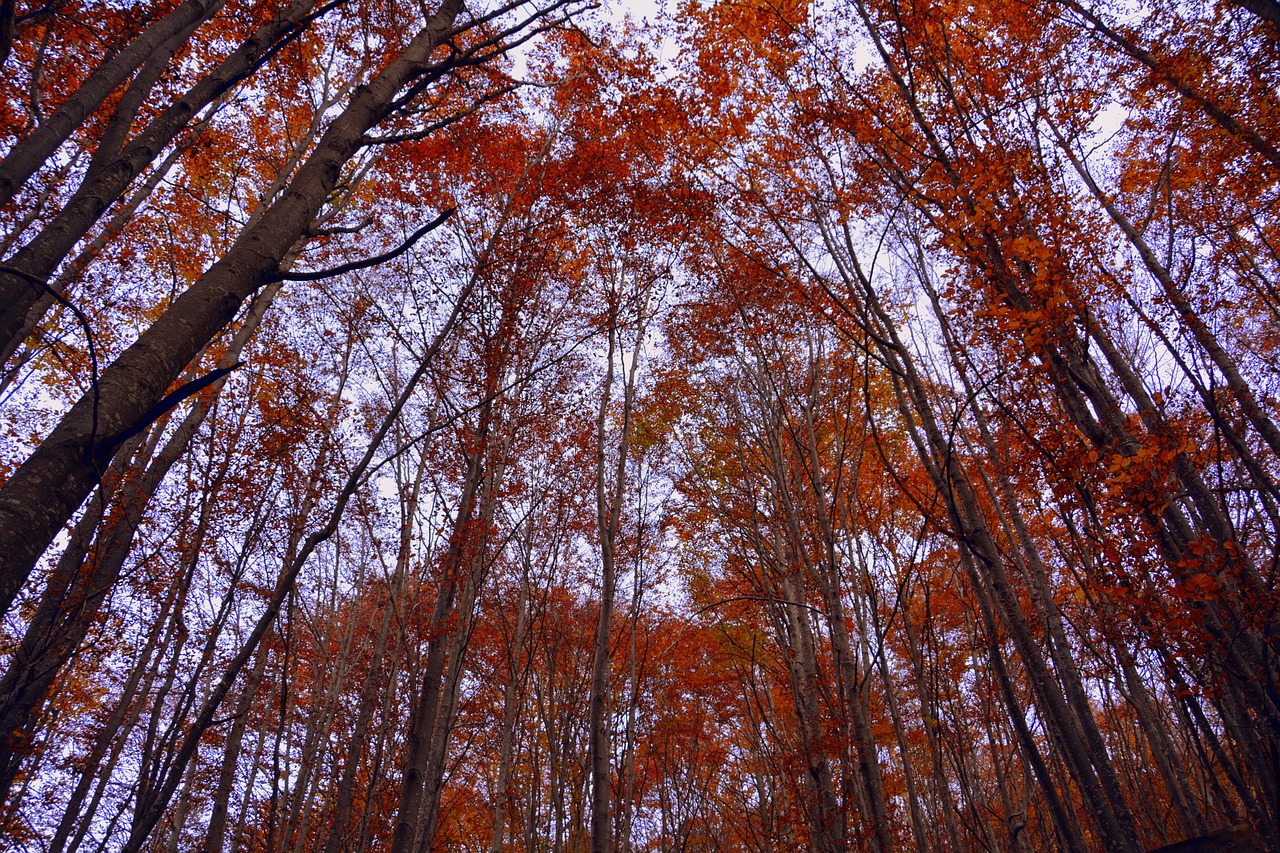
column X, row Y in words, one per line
column 734, row 425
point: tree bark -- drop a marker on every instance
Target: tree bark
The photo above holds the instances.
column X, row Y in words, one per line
column 110, row 174
column 610, row 493
column 427, row 705
column 35, row 149
column 215, row 833
column 48, row 488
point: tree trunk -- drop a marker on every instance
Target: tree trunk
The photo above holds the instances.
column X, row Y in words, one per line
column 510, row 707
column 610, row 494
column 110, row 174
column 70, row 605
column 215, row 833
column 35, row 149
column 48, row 488
column 427, row 706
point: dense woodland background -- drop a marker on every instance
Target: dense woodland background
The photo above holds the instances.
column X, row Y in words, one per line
column 847, row 425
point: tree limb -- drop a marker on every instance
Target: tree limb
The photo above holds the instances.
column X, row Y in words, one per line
column 341, row 269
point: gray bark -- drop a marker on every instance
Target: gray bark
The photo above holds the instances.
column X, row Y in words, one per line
column 35, row 149
column 110, row 174
column 48, row 488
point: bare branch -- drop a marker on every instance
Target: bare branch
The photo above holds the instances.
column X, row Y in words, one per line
column 342, row 269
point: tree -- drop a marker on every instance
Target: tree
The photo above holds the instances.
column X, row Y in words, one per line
column 773, row 425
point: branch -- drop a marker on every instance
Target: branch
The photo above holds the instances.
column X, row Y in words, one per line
column 761, row 598
column 62, row 300
column 423, row 133
column 1223, row 118
column 159, row 410
column 369, row 262
column 334, row 230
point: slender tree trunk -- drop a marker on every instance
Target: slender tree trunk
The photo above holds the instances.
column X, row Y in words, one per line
column 427, row 704
column 930, row 712
column 610, row 493
column 339, row 827
column 900, row 734
column 633, row 705
column 826, row 822
column 215, row 833
column 178, row 818
column 473, row 578
column 110, row 740
column 510, row 708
